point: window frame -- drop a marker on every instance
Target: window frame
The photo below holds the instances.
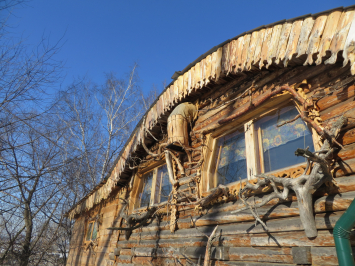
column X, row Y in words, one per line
column 252, row 146
column 138, row 184
column 93, row 223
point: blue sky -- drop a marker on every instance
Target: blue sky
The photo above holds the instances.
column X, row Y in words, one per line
column 162, row 36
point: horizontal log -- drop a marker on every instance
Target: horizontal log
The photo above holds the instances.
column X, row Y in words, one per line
column 287, row 239
column 346, row 154
column 230, row 233
column 124, row 259
column 276, row 255
column 159, row 261
column 249, row 263
column 343, row 184
column 218, row 253
column 343, row 168
column 325, row 256
column 222, row 214
column 165, row 243
column 126, row 251
column 330, row 78
column 347, row 137
column 342, row 95
column 343, row 108
column 327, row 203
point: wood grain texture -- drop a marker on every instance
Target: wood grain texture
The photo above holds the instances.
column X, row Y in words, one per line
column 266, row 46
column 349, row 48
column 327, row 37
column 274, row 43
column 315, row 38
column 340, row 35
column 251, row 49
column 293, row 41
column 303, row 40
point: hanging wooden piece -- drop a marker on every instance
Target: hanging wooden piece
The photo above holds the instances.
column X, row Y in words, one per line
column 178, row 122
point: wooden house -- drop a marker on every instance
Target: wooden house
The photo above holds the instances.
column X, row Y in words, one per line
column 218, row 148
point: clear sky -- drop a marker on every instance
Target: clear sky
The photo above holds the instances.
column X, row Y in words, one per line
column 163, row 36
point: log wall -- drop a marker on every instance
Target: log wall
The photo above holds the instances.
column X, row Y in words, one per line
column 240, row 241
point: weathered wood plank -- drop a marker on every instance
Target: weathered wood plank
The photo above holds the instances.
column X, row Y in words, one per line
column 249, row 263
column 274, row 43
column 258, row 46
column 233, row 54
column 251, row 49
column 324, row 256
column 340, row 35
column 218, row 64
column 124, row 259
column 345, row 107
column 282, row 44
column 315, row 38
column 286, row 239
column 303, row 40
column 197, row 76
column 349, row 48
column 208, row 70
column 328, row 33
column 192, row 79
column 247, row 41
column 277, row 255
column 225, row 58
column 265, row 46
column 293, row 41
column 138, row 261
column 165, row 243
column 323, row 221
column 337, row 97
column 239, row 61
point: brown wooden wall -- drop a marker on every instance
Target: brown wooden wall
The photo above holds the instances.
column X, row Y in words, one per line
column 240, row 241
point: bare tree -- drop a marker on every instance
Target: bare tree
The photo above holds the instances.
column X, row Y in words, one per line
column 99, row 119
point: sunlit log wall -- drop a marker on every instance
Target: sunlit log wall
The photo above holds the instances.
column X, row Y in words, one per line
column 309, row 50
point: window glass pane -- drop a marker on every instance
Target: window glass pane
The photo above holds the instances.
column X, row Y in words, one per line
column 88, row 234
column 280, row 143
column 231, row 158
column 164, row 186
column 147, row 189
column 94, row 231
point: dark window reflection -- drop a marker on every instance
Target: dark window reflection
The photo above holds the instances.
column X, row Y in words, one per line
column 280, row 143
column 163, row 185
column 147, row 189
column 88, row 234
column 94, row 231
column 231, row 158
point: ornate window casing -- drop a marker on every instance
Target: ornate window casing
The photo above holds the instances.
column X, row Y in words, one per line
column 151, row 187
column 256, row 146
column 92, row 230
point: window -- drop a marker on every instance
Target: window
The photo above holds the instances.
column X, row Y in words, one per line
column 231, row 158
column 155, row 187
column 259, row 146
column 278, row 144
column 91, row 233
